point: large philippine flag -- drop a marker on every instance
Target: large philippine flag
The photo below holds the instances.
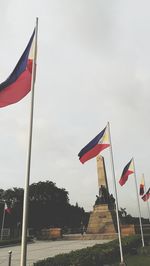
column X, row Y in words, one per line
column 128, row 170
column 18, row 84
column 95, row 146
column 146, row 195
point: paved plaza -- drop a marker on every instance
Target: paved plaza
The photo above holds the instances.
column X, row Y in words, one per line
column 43, row 249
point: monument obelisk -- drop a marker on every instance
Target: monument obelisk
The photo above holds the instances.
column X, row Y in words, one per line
column 102, row 218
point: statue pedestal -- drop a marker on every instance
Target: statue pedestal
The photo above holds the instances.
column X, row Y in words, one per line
column 101, row 220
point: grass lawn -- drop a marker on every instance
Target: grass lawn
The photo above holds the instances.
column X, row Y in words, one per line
column 141, row 259
column 138, row 260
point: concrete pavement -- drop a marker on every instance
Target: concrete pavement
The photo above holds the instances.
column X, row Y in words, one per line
column 43, row 249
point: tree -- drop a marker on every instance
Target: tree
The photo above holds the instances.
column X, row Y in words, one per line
column 47, row 202
column 129, row 219
column 123, row 212
column 48, row 207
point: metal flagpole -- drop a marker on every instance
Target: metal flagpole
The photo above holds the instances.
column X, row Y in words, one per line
column 3, row 221
column 142, row 238
column 147, row 200
column 117, row 208
column 26, row 190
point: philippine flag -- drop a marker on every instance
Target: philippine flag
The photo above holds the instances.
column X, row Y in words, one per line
column 7, row 209
column 128, row 170
column 95, row 146
column 142, row 186
column 18, row 84
column 146, row 196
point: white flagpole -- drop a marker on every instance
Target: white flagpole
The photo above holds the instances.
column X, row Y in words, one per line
column 26, row 190
column 147, row 200
column 136, row 187
column 3, row 221
column 115, row 187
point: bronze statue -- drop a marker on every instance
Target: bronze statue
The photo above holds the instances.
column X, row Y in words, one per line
column 104, row 197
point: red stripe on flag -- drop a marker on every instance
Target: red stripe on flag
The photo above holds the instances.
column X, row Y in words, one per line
column 19, row 89
column 8, row 210
column 124, row 178
column 146, row 197
column 93, row 152
column 141, row 189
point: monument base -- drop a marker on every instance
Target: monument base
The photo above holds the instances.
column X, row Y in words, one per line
column 102, row 220
column 127, row 229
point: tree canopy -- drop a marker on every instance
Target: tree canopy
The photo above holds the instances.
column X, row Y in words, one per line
column 48, row 207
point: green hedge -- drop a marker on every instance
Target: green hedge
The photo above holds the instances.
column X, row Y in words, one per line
column 94, row 256
column 9, row 242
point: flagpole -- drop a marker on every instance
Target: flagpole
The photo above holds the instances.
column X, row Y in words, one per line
column 26, row 190
column 3, row 221
column 136, row 187
column 147, row 200
column 115, row 187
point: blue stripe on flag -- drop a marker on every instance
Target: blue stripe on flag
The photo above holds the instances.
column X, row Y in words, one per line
column 92, row 143
column 20, row 67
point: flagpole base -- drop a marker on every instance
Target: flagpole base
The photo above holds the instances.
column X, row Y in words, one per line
column 122, row 264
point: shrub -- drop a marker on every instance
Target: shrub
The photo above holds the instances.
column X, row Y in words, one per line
column 93, row 256
column 13, row 241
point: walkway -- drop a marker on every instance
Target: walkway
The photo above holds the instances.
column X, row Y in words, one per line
column 43, row 249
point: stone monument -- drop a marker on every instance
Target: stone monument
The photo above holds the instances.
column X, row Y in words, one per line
column 103, row 217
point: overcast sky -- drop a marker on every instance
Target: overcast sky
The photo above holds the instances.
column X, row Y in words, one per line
column 93, row 66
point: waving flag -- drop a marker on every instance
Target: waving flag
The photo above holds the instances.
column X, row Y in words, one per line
column 128, row 170
column 18, row 84
column 146, row 195
column 142, row 186
column 95, row 146
column 7, row 209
